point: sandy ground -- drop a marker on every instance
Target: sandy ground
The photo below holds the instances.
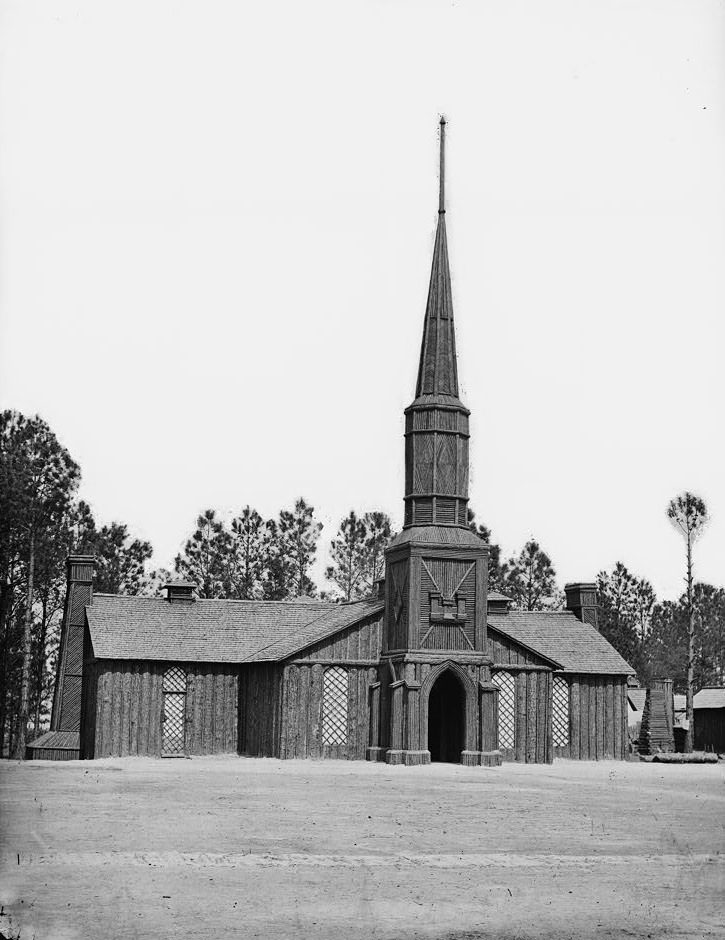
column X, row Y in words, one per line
column 234, row 847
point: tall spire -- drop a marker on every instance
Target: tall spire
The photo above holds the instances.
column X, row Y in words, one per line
column 436, row 428
column 438, row 372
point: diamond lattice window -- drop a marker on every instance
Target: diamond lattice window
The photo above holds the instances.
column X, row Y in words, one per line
column 506, row 707
column 560, row 712
column 174, row 688
column 334, row 706
column 175, row 679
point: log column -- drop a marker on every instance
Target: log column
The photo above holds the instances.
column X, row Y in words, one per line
column 375, row 752
column 394, row 755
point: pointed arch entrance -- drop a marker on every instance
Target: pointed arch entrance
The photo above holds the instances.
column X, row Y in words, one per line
column 447, row 719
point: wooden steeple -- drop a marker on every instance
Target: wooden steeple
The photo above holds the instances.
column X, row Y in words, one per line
column 436, row 478
column 434, row 662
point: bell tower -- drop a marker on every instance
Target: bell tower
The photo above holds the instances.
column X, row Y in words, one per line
column 434, row 638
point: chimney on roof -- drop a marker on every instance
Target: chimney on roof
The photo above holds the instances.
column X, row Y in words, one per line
column 379, row 588
column 180, row 592
column 66, row 714
column 581, row 600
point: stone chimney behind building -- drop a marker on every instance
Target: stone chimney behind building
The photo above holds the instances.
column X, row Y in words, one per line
column 66, row 715
column 657, row 728
column 581, row 600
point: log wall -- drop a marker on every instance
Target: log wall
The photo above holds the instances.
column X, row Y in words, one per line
column 123, row 708
column 301, row 726
column 505, row 652
column 532, row 733
column 360, row 643
column 89, row 697
column 597, row 719
column 260, row 709
column 710, row 729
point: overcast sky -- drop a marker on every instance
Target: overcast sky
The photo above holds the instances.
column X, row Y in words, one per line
column 217, row 224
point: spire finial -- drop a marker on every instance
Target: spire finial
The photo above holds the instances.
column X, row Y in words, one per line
column 442, row 172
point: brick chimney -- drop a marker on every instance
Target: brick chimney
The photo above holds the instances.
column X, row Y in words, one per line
column 180, row 592
column 66, row 714
column 581, row 600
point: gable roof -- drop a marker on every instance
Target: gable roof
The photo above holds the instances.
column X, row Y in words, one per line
column 498, row 596
column 493, row 627
column 215, row 631
column 559, row 636
column 637, row 699
column 710, row 698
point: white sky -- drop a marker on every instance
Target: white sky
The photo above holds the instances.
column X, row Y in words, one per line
column 217, row 223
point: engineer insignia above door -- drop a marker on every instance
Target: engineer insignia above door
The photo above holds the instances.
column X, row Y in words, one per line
column 444, row 609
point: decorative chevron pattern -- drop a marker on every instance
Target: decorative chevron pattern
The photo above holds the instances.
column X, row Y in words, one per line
column 81, row 597
column 506, row 707
column 446, row 464
column 423, row 463
column 334, row 706
column 450, row 576
column 560, row 712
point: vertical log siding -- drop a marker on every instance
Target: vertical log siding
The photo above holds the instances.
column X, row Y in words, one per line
column 597, row 719
column 301, row 729
column 124, row 706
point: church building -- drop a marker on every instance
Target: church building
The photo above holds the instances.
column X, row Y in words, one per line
column 433, row 668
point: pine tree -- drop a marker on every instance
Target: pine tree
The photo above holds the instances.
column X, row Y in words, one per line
column 121, row 561
column 495, row 575
column 38, row 479
column 248, row 554
column 205, row 559
column 688, row 514
column 530, row 579
column 625, row 610
column 349, row 558
column 291, row 549
column 379, row 532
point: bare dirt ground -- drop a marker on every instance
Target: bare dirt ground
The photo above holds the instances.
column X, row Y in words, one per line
column 234, row 847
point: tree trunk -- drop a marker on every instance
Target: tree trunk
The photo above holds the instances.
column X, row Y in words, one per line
column 4, row 607
column 689, row 708
column 40, row 668
column 21, row 738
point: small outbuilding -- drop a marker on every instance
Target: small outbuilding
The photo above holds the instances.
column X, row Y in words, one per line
column 709, row 708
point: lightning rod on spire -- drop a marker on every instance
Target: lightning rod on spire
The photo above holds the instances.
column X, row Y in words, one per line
column 442, row 172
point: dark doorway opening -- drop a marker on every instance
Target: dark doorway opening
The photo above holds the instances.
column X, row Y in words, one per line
column 446, row 719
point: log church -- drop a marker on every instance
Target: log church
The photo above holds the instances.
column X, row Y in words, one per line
column 433, row 668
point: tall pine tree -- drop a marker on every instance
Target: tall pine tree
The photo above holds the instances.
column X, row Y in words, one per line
column 248, row 553
column 205, row 559
column 349, row 558
column 530, row 579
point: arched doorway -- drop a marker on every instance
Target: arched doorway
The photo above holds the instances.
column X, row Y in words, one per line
column 446, row 719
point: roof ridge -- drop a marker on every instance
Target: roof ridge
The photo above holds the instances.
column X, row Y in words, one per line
column 530, row 612
column 229, row 600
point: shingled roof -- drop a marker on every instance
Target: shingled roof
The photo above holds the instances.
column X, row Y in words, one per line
column 215, row 631
column 710, row 698
column 561, row 638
